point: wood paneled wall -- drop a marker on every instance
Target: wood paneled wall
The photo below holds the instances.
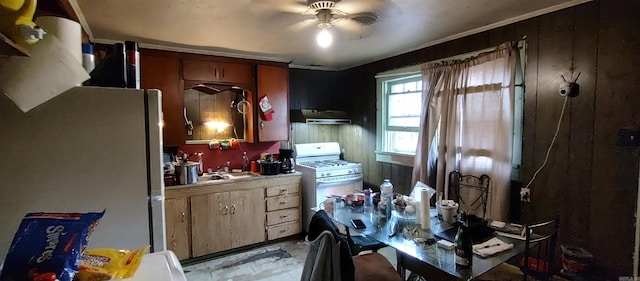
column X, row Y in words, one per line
column 591, row 183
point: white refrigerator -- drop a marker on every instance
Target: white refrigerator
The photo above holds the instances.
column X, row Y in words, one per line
column 86, row 150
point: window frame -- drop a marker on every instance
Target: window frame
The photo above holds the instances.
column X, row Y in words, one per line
column 404, row 159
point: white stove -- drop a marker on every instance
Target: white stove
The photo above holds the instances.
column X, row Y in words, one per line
column 324, row 174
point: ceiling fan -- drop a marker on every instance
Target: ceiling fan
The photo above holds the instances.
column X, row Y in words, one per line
column 349, row 15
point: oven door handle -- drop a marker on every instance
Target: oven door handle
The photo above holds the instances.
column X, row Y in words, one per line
column 331, row 183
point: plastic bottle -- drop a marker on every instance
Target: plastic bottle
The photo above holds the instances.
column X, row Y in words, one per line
column 88, row 58
column 386, row 194
column 368, row 201
column 464, row 247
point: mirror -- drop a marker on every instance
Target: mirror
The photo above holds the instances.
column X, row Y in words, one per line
column 213, row 114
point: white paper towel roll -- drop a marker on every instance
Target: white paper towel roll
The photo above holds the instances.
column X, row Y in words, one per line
column 424, row 216
column 68, row 32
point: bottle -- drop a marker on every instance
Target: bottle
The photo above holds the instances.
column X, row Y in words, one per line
column 226, row 166
column 245, row 162
column 368, row 201
column 200, row 164
column 88, row 58
column 464, row 247
column 386, row 194
column 133, row 65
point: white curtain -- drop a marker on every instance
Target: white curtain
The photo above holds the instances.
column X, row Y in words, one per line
column 467, row 123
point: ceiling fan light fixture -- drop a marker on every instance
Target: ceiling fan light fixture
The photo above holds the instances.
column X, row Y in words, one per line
column 324, row 38
column 324, row 18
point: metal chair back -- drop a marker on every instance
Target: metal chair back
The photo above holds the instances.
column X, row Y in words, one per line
column 539, row 254
column 471, row 192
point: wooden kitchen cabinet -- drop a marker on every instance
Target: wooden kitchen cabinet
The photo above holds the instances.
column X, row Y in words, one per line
column 158, row 70
column 221, row 72
column 177, row 214
column 283, row 208
column 272, row 82
column 204, row 219
column 247, row 217
column 225, row 220
column 211, row 228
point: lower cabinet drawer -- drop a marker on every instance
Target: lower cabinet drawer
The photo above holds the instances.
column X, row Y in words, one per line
column 281, row 216
column 283, row 202
column 283, row 230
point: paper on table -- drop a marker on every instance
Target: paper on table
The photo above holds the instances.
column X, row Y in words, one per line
column 491, row 247
column 50, row 71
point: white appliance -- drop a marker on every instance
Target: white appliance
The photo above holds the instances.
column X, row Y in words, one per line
column 88, row 149
column 324, row 174
column 158, row 266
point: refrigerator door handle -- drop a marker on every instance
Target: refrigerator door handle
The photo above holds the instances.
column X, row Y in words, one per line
column 157, row 198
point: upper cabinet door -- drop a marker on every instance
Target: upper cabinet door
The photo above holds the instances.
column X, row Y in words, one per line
column 273, row 83
column 221, row 72
column 163, row 73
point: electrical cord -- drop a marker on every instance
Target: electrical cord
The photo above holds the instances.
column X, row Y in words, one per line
column 546, row 158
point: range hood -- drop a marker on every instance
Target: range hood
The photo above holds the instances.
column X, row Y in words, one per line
column 320, row 117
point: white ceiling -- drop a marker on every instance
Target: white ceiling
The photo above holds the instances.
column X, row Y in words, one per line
column 279, row 30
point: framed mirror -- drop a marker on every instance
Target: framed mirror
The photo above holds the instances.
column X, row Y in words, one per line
column 216, row 112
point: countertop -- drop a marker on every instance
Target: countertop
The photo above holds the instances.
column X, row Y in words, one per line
column 254, row 177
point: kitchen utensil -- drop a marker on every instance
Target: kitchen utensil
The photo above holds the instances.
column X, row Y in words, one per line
column 269, row 167
column 288, row 164
column 187, row 172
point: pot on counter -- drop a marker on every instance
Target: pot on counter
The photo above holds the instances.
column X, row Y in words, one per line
column 269, row 167
column 187, row 173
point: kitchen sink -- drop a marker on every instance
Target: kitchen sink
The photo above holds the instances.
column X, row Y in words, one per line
column 225, row 176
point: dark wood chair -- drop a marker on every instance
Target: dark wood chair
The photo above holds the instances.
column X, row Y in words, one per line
column 470, row 192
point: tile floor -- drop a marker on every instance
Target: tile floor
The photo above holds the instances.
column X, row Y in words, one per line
column 274, row 262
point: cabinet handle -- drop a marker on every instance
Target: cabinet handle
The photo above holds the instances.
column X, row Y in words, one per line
column 226, row 208
column 283, row 216
column 283, row 202
column 215, row 72
column 223, row 73
column 283, row 190
column 184, row 216
column 284, row 230
column 261, row 124
column 233, row 209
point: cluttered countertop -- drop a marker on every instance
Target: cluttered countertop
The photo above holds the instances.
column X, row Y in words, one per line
column 183, row 172
column 225, row 178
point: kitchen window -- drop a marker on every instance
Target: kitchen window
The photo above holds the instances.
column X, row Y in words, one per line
column 399, row 104
column 399, row 108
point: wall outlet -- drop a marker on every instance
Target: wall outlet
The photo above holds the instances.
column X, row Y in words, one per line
column 628, row 137
column 525, row 194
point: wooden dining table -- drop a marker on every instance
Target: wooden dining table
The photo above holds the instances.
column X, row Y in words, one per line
column 415, row 247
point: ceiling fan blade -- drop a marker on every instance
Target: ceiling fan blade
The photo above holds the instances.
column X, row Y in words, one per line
column 352, row 29
column 303, row 24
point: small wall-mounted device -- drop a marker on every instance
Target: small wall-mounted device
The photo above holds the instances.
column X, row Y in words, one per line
column 569, row 88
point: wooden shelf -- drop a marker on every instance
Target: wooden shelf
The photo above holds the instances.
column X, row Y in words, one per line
column 8, row 48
